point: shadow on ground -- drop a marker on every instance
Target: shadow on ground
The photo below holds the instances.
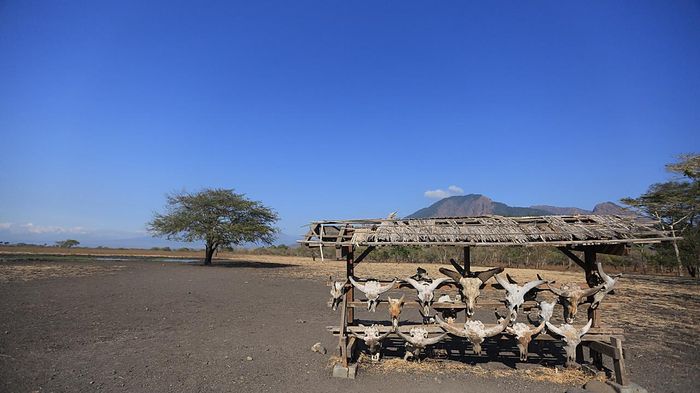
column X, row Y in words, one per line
column 251, row 264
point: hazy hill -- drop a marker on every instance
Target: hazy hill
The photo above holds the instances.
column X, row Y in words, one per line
column 479, row 205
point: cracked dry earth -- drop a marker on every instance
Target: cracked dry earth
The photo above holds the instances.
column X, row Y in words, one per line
column 249, row 324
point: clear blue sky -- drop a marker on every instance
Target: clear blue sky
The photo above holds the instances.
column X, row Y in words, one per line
column 337, row 109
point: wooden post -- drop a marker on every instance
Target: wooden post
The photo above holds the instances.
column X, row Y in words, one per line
column 619, row 362
column 589, row 258
column 468, row 269
column 350, row 295
column 467, row 260
column 343, row 336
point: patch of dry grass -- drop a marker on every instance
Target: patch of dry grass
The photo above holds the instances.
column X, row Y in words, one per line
column 442, row 367
column 35, row 271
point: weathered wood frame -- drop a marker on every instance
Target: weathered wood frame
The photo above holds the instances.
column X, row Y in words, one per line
column 601, row 340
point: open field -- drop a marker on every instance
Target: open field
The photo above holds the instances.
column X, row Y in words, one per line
column 76, row 324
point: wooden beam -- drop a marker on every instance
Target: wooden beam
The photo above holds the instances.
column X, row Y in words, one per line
column 610, row 249
column 572, row 256
column 364, row 254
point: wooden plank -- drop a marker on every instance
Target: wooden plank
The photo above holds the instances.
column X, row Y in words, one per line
column 604, row 348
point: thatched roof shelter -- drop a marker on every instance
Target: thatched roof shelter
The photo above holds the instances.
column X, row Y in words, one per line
column 559, row 231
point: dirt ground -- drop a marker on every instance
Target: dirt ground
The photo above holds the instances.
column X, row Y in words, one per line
column 69, row 325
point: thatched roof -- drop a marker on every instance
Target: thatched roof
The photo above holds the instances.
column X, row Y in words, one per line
column 575, row 230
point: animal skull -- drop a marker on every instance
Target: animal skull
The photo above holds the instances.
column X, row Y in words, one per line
column 572, row 338
column 474, row 331
column 372, row 289
column 395, row 306
column 470, row 283
column 571, row 295
column 372, row 339
column 337, row 292
column 515, row 294
column 417, row 340
column 525, row 333
column 426, row 291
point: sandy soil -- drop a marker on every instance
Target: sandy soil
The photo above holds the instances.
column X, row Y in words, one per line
column 145, row 326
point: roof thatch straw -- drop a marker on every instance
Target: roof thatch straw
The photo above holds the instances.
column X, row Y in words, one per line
column 486, row 230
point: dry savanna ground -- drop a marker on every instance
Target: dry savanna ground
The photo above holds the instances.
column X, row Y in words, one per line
column 132, row 324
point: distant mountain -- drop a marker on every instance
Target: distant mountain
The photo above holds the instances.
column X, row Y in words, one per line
column 480, row 205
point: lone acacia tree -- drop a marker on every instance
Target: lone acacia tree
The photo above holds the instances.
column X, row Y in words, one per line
column 218, row 217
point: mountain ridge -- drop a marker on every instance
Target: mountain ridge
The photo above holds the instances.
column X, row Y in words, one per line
column 481, row 205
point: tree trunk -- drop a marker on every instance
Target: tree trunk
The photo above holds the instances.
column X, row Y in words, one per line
column 209, row 253
column 678, row 254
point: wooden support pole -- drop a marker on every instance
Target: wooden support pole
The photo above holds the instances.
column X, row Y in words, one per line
column 343, row 336
column 467, row 260
column 589, row 257
column 350, row 272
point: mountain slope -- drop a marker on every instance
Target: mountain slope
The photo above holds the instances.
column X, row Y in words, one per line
column 480, row 205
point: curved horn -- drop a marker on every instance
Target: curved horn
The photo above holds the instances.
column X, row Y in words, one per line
column 505, row 284
column 585, row 329
column 451, row 274
column 557, row 291
column 459, row 269
column 415, row 284
column 433, row 286
column 486, row 275
column 532, row 284
column 601, row 273
column 511, row 279
column 404, row 336
column 383, row 336
column 434, row 340
column 384, row 288
column 490, row 332
column 449, row 328
column 554, row 329
column 591, row 291
column 357, row 285
column 403, row 296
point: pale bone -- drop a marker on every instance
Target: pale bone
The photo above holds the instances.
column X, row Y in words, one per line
column 372, row 289
column 525, row 333
column 449, row 314
column 571, row 336
column 571, row 295
column 426, row 291
column 416, row 340
column 474, row 331
column 515, row 294
column 337, row 292
column 372, row 339
column 470, row 283
column 608, row 285
column 395, row 306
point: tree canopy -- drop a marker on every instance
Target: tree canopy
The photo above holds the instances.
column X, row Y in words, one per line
column 67, row 243
column 218, row 217
column 676, row 205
